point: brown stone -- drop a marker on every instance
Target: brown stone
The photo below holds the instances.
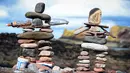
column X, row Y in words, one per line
column 85, row 72
column 46, row 30
column 83, row 65
column 95, row 16
column 36, row 35
column 45, row 59
column 83, row 57
column 82, row 69
column 98, row 69
column 21, row 41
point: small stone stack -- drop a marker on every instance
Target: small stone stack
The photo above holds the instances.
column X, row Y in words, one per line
column 32, row 40
column 84, row 62
column 96, row 38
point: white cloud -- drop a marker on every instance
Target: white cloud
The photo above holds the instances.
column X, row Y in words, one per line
column 3, row 13
column 82, row 7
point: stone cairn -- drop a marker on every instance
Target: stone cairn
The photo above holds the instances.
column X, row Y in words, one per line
column 36, row 37
column 94, row 40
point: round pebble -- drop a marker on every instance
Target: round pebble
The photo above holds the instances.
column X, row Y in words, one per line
column 84, row 53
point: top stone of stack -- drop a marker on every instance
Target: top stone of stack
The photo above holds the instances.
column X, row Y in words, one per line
column 37, row 16
column 40, row 7
column 95, row 18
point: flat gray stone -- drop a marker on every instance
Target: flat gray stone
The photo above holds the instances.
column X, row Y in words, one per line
column 93, row 39
column 34, row 15
column 36, row 35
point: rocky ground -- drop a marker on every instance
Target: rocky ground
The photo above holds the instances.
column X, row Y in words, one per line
column 65, row 55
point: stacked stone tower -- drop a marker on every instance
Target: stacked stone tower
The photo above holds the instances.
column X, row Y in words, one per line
column 95, row 39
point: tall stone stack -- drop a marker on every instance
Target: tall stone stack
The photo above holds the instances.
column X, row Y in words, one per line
column 83, row 64
column 36, row 36
column 42, row 37
column 95, row 39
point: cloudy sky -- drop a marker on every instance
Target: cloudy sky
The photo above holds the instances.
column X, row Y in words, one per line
column 114, row 12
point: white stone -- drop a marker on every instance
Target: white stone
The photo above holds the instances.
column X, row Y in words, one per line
column 46, row 53
column 29, row 45
column 84, row 53
column 94, row 46
column 103, row 59
column 100, row 55
column 84, row 61
column 45, row 48
column 100, row 65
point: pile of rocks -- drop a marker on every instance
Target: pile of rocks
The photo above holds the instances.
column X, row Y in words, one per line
column 95, row 35
column 36, row 37
column 84, row 62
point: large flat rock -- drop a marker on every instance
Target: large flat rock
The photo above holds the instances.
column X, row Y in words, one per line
column 36, row 35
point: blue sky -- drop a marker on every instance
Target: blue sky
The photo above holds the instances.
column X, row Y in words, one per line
column 114, row 12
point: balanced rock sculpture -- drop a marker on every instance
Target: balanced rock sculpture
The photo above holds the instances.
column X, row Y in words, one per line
column 95, row 39
column 31, row 40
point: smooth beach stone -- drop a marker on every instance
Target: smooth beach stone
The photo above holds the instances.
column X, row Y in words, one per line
column 40, row 7
column 83, row 57
column 45, row 48
column 28, row 30
column 67, row 69
column 36, row 35
column 46, row 30
column 82, row 69
column 43, row 42
column 95, row 16
column 33, row 67
column 83, row 65
column 34, row 15
column 56, row 68
column 29, row 45
column 83, row 53
column 84, row 61
column 21, row 41
column 37, row 22
column 103, row 59
column 94, row 46
column 93, row 39
column 28, row 52
column 100, row 55
column 45, row 59
column 46, row 53
column 98, row 69
column 100, row 65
